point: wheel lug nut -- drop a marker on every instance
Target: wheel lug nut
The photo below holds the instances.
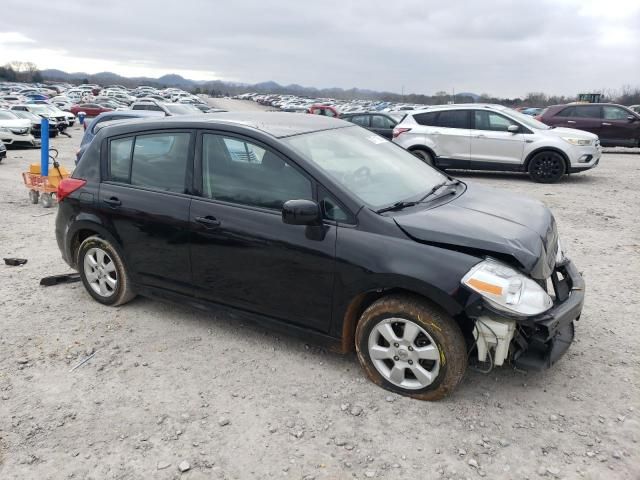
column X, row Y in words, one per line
column 396, row 358
column 411, row 349
column 396, row 345
column 410, row 362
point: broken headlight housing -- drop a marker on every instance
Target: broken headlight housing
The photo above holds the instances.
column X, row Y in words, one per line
column 506, row 289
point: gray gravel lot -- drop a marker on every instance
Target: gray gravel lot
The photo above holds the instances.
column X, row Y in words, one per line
column 171, row 389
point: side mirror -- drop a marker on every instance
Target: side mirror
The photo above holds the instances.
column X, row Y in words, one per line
column 513, row 128
column 300, row 212
column 631, row 118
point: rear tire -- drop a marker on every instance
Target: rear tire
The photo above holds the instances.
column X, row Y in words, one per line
column 409, row 346
column 425, row 156
column 547, row 167
column 103, row 272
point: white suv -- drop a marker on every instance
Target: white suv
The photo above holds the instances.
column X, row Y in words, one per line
column 493, row 137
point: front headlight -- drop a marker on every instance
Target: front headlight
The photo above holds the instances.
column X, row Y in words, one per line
column 580, row 142
column 507, row 289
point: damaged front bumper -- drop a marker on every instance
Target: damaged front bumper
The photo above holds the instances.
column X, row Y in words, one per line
column 534, row 343
column 540, row 341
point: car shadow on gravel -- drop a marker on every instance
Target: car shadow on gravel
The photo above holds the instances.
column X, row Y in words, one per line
column 237, row 331
column 580, row 179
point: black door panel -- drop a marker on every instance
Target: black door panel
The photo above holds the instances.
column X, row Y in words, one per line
column 253, row 261
column 153, row 230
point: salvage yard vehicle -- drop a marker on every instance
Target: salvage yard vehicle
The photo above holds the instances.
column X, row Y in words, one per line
column 616, row 125
column 493, row 137
column 325, row 230
column 16, row 132
column 381, row 123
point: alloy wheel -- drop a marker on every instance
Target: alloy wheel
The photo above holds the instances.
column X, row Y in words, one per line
column 547, row 167
column 100, row 272
column 404, row 353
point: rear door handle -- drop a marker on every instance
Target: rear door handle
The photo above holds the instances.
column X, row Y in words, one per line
column 570, row 121
column 605, row 124
column 112, row 202
column 481, row 136
column 208, row 221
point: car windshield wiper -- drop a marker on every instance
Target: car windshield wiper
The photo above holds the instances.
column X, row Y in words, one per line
column 397, row 206
column 446, row 183
column 405, row 204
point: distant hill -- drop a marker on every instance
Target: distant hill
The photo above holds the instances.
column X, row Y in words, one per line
column 110, row 78
column 219, row 87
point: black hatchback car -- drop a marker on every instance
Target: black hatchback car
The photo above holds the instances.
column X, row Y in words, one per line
column 316, row 226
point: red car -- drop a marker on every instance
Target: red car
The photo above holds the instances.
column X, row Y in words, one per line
column 91, row 109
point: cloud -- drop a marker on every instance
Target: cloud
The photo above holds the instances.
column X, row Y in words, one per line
column 495, row 46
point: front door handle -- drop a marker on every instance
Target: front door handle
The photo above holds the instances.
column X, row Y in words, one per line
column 570, row 121
column 208, row 221
column 605, row 124
column 481, row 136
column 113, row 202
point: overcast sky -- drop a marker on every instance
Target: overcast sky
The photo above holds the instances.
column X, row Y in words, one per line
column 501, row 47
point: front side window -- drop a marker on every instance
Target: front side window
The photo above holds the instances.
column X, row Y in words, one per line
column 362, row 120
column 567, row 112
column 614, row 113
column 453, row 119
column 491, row 121
column 379, row 121
column 238, row 171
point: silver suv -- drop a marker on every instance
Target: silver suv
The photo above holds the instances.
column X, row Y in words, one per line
column 493, row 137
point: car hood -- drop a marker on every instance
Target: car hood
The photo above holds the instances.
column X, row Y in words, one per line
column 571, row 132
column 487, row 222
column 17, row 123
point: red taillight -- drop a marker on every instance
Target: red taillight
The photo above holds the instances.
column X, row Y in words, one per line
column 67, row 186
column 399, row 131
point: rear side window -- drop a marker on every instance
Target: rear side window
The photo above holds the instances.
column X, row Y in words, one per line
column 587, row 111
column 427, row 119
column 453, row 119
column 157, row 161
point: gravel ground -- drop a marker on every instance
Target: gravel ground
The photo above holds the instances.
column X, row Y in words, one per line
column 172, row 389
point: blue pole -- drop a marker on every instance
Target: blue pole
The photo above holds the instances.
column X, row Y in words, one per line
column 44, row 147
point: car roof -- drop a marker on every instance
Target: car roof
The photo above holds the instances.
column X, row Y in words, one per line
column 457, row 106
column 276, row 124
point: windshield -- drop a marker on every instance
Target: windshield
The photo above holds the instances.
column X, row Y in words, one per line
column 27, row 115
column 39, row 109
column 181, row 109
column 375, row 170
column 5, row 115
column 528, row 120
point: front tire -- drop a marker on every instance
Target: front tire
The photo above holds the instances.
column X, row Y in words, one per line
column 547, row 167
column 103, row 272
column 425, row 156
column 411, row 347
